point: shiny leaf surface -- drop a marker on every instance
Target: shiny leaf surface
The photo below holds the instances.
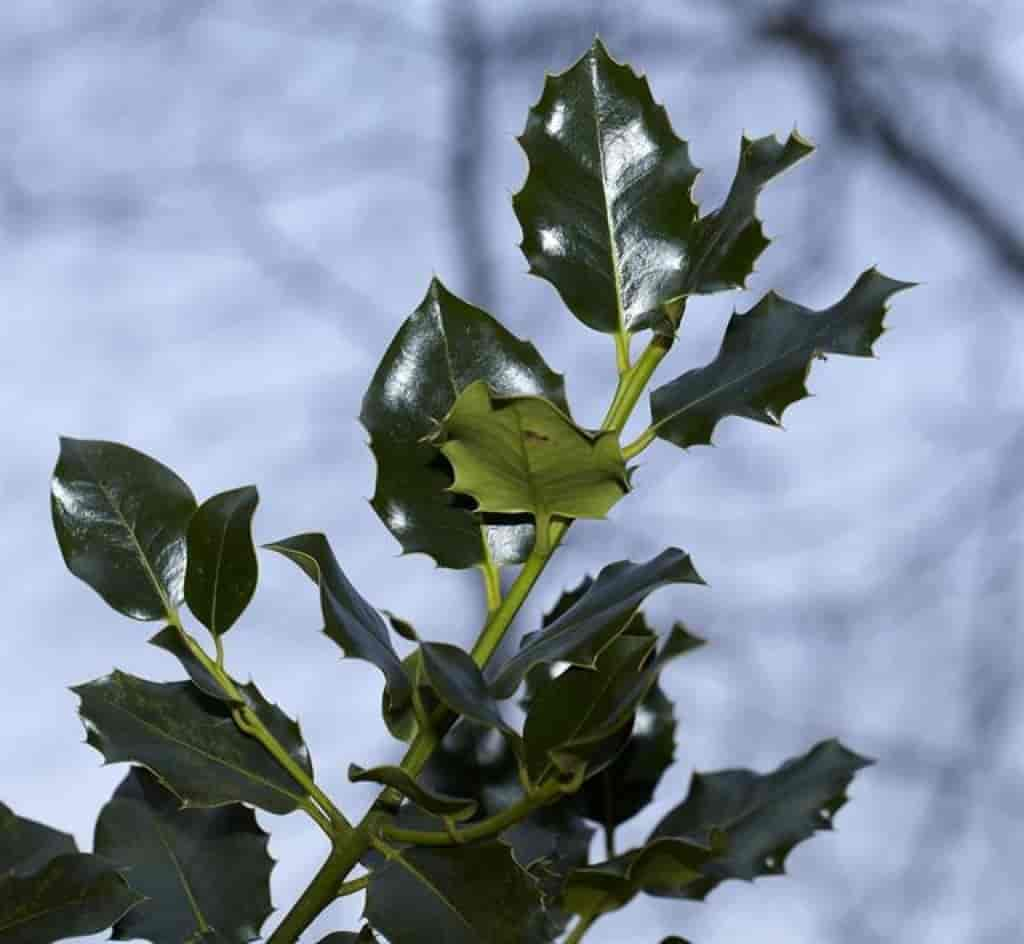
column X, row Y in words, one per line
column 600, row 615
column 222, row 570
column 365, row 936
column 189, row 740
column 202, row 870
column 765, row 357
column 462, row 895
column 606, row 209
column 72, row 895
column 444, row 346
column 121, row 520
column 522, row 455
column 432, row 801
column 349, row 620
column 763, row 815
column 26, row 846
column 460, row 684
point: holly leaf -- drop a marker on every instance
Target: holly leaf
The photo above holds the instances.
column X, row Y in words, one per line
column 443, row 347
column 458, row 895
column 349, row 620
column 222, row 570
column 72, row 895
column 606, row 210
column 365, row 936
column 765, row 357
column 169, row 639
column 201, row 870
column 121, row 519
column 522, row 455
column 26, row 846
column 460, row 684
column 599, row 616
column 191, row 741
column 432, row 801
column 763, row 815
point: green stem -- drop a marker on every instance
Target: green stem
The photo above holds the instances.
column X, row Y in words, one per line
column 347, row 852
column 492, row 583
column 354, row 886
column 638, row 445
column 622, row 350
column 583, row 925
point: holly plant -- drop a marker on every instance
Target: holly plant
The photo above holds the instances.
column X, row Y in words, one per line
column 483, row 832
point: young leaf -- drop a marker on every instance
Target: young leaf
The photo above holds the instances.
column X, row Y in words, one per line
column 600, row 615
column 606, row 209
column 460, row 684
column 26, row 846
column 222, row 570
column 121, row 519
column 169, row 639
column 765, row 357
column 461, row 895
column 443, row 347
column 349, row 620
column 201, row 870
column 763, row 815
column 432, row 801
column 190, row 741
column 522, row 455
column 72, row 895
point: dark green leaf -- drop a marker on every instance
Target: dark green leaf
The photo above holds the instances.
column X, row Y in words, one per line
column 169, row 639
column 460, row 684
column 349, row 620
column 443, row 347
column 462, row 895
column 190, row 741
column 522, row 455
column 765, row 357
column 606, row 210
column 201, row 869
column 350, row 937
column 600, row 615
column 441, row 804
column 222, row 571
column 26, row 846
column 121, row 519
column 73, row 895
column 763, row 815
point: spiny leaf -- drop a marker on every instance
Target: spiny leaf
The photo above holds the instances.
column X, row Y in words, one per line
column 606, row 210
column 522, row 455
column 222, row 569
column 121, row 519
column 459, row 895
column 202, row 870
column 190, row 741
column 74, row 894
column 765, row 357
column 433, row 801
column 763, row 815
column 443, row 347
column 349, row 620
column 600, row 615
column 26, row 846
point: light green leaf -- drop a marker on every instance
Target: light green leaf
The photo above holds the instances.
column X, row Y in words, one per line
column 222, row 569
column 763, row 815
column 606, row 210
column 524, row 455
column 202, row 870
column 443, row 347
column 765, row 357
column 121, row 519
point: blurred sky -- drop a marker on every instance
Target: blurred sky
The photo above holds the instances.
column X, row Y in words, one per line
column 215, row 215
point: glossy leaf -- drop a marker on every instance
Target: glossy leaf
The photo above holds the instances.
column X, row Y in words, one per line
column 201, row 870
column 460, row 684
column 600, row 615
column 765, row 357
column 432, row 801
column 190, row 741
column 26, row 846
column 461, row 895
column 72, row 895
column 606, row 210
column 763, row 815
column 121, row 520
column 169, row 639
column 222, row 570
column 349, row 620
column 444, row 346
column 365, row 936
column 522, row 455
